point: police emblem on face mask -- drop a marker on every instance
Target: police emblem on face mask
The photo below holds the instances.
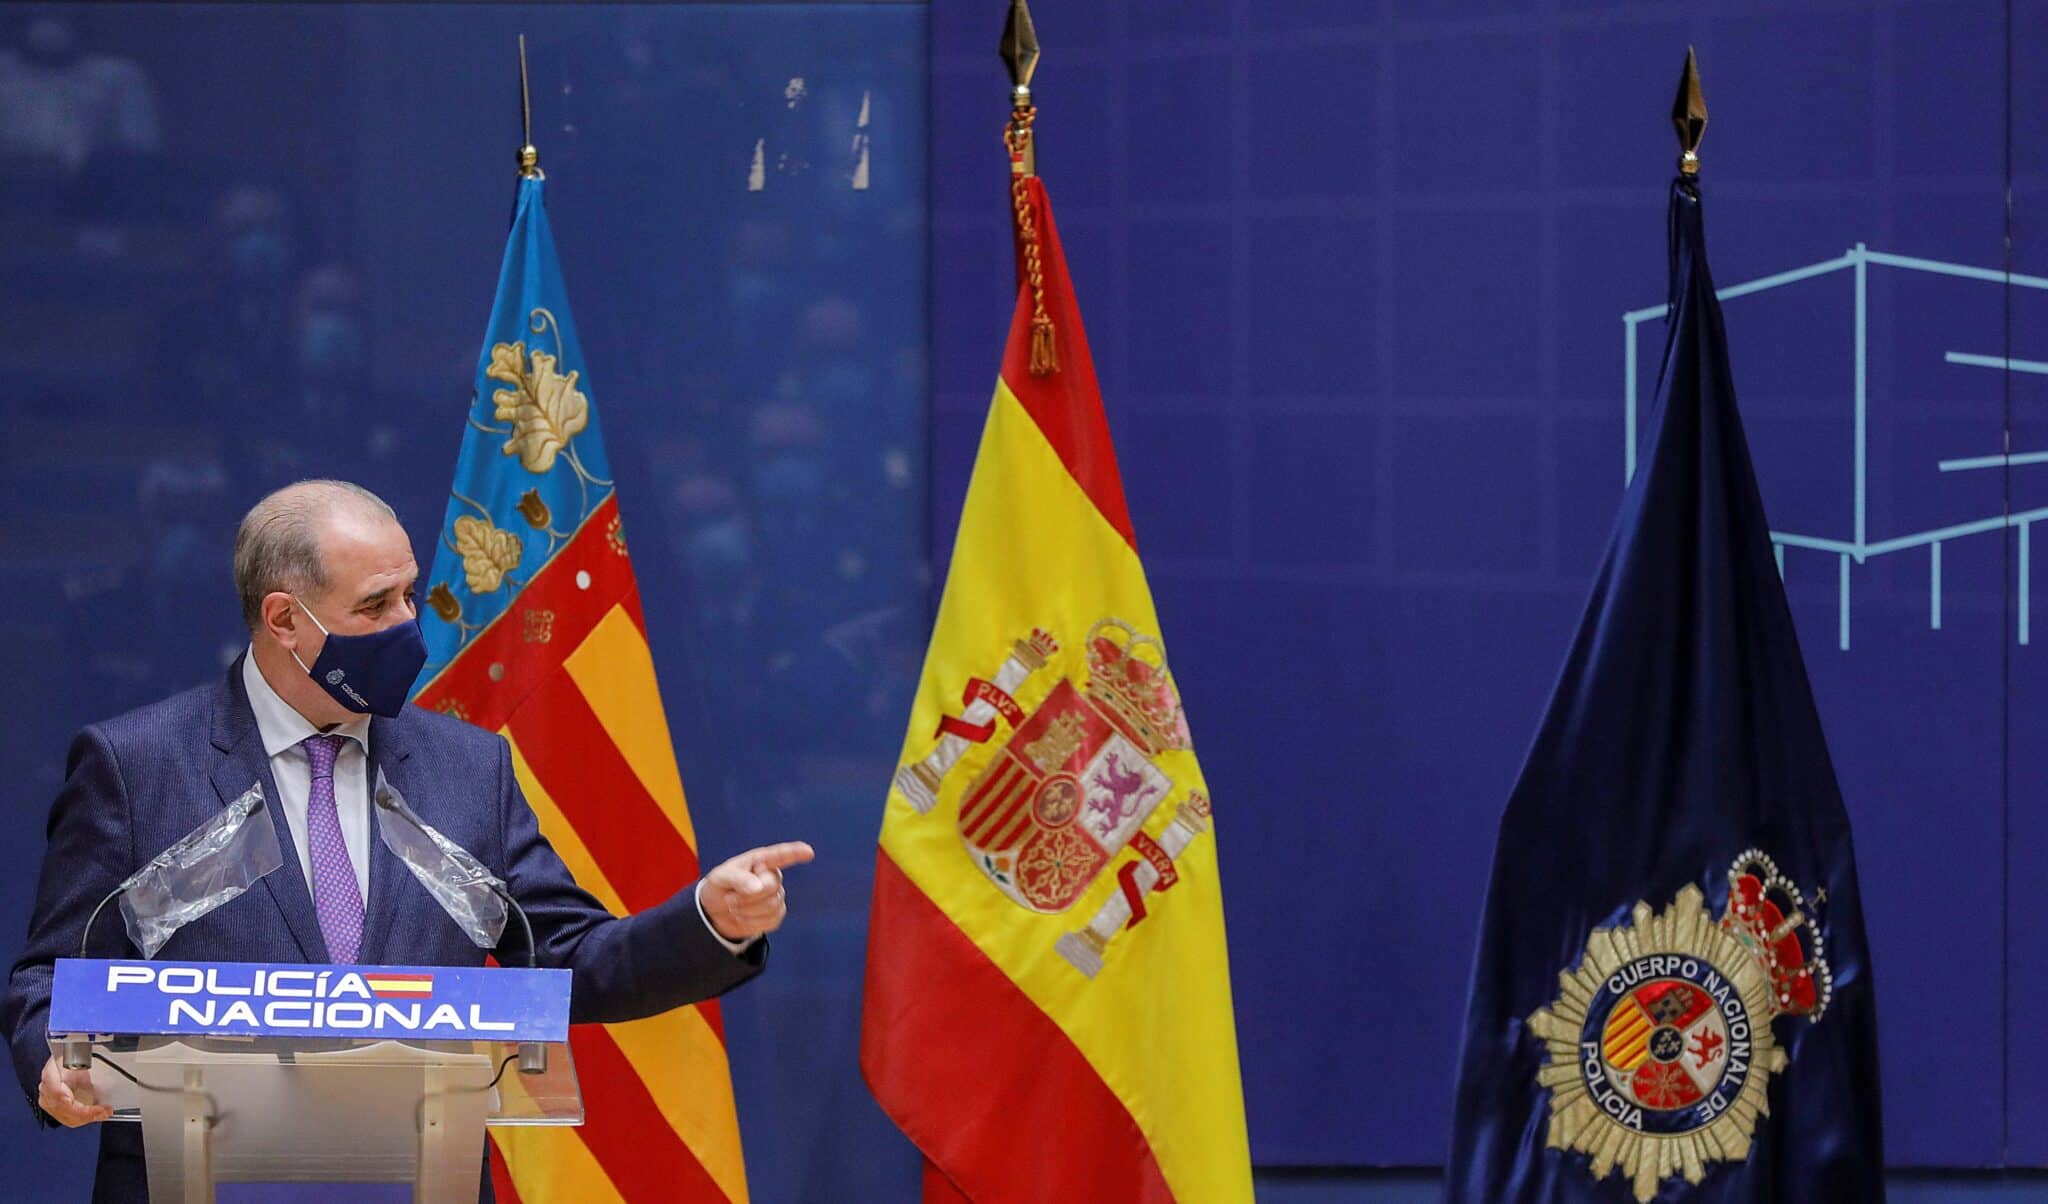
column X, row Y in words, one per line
column 334, row 677
column 1660, row 1041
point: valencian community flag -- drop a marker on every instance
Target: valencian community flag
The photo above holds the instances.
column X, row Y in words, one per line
column 1672, row 998
column 1047, row 1010
column 534, row 631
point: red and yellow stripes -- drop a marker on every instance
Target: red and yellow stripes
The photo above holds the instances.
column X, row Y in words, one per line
column 566, row 676
column 400, row 986
column 1021, row 1078
column 1626, row 1042
column 1027, row 1108
column 1066, row 405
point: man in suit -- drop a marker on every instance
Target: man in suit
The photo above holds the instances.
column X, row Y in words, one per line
column 314, row 711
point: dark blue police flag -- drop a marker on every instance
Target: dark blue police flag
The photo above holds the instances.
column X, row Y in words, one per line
column 1672, row 998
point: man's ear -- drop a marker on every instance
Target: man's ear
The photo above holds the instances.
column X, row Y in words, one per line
column 281, row 618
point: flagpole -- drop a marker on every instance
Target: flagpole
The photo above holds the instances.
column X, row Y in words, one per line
column 529, row 157
column 1689, row 118
column 1019, row 51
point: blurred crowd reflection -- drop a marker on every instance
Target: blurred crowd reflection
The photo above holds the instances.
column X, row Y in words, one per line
column 226, row 238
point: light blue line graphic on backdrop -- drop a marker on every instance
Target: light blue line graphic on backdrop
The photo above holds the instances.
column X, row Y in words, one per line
column 2033, row 367
column 1859, row 549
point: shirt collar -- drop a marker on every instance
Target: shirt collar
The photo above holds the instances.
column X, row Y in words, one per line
column 282, row 727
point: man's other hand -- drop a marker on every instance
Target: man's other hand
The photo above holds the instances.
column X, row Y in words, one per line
column 68, row 1097
column 743, row 897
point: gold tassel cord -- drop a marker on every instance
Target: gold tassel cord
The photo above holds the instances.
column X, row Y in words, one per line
column 1045, row 356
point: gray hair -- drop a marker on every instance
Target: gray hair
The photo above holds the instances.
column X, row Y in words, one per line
column 278, row 546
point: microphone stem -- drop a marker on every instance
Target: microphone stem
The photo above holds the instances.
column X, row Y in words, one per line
column 86, row 936
column 525, row 925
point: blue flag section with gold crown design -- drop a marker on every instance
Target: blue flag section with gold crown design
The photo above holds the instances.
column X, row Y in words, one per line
column 532, row 467
column 1672, row 996
column 535, row 631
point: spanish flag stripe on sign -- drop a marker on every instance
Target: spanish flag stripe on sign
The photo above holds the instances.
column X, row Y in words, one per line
column 1076, row 1049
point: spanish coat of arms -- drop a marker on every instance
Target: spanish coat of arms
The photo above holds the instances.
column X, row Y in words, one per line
column 1074, row 784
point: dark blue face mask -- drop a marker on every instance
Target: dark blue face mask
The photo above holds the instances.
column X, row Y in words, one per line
column 368, row 674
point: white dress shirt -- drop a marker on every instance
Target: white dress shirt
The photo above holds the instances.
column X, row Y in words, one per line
column 284, row 732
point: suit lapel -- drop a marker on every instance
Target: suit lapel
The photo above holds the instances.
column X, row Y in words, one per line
column 238, row 759
column 389, row 754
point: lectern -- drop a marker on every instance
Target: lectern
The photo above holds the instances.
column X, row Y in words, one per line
column 331, row 1074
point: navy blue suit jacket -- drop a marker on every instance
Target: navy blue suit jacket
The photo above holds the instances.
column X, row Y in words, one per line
column 135, row 784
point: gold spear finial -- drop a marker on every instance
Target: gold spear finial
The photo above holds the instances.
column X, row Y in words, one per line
column 1020, row 52
column 529, row 158
column 1020, row 55
column 1689, row 116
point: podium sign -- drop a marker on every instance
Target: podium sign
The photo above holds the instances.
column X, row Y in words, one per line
column 405, row 1003
column 295, row 1073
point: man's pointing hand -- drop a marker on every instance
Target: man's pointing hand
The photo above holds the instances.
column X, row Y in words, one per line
column 743, row 896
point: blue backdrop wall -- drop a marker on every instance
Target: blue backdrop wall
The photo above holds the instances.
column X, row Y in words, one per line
column 1368, row 284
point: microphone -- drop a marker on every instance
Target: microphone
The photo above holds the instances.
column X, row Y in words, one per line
column 78, row 1054
column 533, row 1055
column 210, row 865
column 92, row 919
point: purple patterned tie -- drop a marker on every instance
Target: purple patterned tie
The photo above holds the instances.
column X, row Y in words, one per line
column 336, row 897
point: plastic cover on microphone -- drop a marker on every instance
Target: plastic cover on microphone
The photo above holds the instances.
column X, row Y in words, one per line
column 461, row 884
column 208, row 866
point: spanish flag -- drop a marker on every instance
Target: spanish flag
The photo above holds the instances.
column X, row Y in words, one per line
column 1047, row 1010
column 534, row 631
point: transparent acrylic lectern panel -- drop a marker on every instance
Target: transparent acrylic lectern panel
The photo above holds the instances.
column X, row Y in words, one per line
column 326, row 1110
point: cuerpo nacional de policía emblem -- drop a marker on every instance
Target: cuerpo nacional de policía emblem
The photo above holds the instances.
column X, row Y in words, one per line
column 1660, row 1041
